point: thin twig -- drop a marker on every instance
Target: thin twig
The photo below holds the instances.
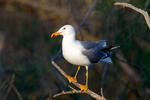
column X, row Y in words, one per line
column 144, row 13
column 87, row 14
column 89, row 92
column 3, row 85
column 84, row 18
column 71, row 87
column 69, row 92
column 75, row 18
column 102, row 92
column 109, row 25
column 17, row 92
column 146, row 4
column 10, row 87
column 128, row 69
column 73, row 13
column 105, row 68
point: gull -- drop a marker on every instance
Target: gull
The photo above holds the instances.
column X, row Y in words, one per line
column 82, row 53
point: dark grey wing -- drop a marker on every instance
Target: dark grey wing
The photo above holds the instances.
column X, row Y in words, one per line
column 94, row 54
column 93, row 50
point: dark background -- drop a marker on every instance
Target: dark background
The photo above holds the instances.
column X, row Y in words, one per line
column 26, row 49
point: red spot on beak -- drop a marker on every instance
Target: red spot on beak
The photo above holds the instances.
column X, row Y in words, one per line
column 53, row 35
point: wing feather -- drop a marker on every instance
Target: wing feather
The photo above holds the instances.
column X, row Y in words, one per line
column 93, row 50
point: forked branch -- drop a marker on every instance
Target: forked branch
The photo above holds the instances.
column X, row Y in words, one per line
column 74, row 91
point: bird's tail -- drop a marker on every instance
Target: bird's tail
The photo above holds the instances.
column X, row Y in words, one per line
column 108, row 48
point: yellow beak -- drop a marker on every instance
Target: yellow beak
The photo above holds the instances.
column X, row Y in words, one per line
column 55, row 34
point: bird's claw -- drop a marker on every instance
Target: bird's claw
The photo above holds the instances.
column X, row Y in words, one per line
column 71, row 79
column 83, row 87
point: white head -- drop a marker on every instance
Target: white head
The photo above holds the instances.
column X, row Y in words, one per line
column 66, row 30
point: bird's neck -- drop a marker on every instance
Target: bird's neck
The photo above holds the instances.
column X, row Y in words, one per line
column 68, row 42
column 69, row 38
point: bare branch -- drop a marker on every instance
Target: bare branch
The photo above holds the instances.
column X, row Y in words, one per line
column 89, row 92
column 144, row 13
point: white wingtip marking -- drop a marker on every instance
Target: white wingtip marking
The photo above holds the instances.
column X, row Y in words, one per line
column 115, row 47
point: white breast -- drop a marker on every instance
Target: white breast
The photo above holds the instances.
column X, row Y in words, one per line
column 72, row 52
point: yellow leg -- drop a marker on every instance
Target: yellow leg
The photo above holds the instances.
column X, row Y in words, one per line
column 85, row 87
column 77, row 71
column 73, row 79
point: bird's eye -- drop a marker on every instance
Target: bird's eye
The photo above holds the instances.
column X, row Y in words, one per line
column 64, row 28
